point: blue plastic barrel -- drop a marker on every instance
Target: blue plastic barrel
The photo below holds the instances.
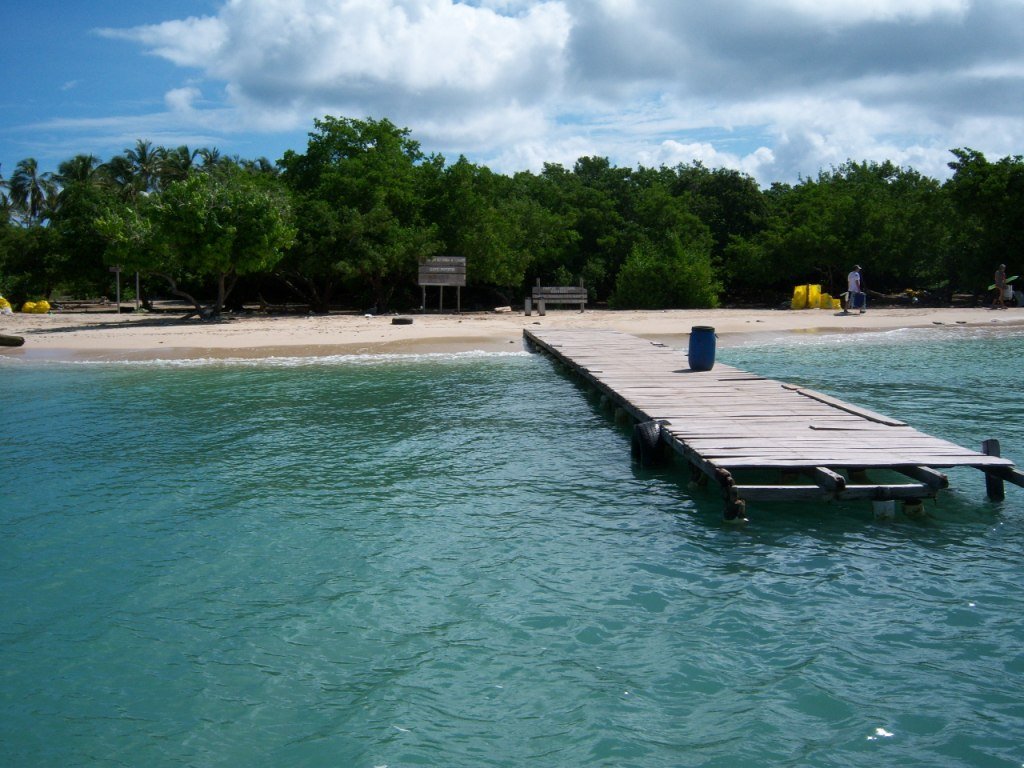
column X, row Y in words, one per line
column 702, row 348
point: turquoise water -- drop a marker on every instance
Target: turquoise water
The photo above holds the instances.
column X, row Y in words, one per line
column 451, row 561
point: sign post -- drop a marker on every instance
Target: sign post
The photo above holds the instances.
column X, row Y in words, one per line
column 441, row 271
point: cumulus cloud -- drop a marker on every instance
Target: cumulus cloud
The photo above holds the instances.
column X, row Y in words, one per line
column 181, row 99
column 292, row 52
column 775, row 88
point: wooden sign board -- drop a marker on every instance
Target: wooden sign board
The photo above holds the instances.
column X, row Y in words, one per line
column 443, row 270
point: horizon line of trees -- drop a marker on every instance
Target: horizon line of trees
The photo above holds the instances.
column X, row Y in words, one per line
column 346, row 223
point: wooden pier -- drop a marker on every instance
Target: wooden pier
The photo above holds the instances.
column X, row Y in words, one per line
column 730, row 424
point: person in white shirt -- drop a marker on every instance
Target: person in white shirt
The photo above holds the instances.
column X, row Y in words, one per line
column 855, row 296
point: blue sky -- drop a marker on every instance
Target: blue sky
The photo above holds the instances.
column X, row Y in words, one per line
column 778, row 89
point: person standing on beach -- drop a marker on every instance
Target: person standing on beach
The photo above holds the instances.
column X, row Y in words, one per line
column 1000, row 287
column 855, row 296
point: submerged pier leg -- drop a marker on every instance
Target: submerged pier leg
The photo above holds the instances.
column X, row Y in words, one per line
column 993, row 483
column 736, row 511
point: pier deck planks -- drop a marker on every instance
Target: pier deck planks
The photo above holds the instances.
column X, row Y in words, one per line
column 726, row 419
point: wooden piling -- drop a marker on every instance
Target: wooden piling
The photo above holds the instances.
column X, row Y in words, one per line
column 993, row 483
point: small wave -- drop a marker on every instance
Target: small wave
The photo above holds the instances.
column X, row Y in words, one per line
column 937, row 333
column 296, row 361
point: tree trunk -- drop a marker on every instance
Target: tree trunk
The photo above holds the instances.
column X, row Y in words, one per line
column 306, row 289
column 173, row 284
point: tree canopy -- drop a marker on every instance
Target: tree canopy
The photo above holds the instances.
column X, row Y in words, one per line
column 346, row 221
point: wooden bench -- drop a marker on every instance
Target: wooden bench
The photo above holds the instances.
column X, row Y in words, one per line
column 555, row 294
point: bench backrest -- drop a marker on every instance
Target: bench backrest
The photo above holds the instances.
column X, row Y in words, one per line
column 553, row 294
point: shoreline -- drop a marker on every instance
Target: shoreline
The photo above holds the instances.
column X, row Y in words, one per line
column 112, row 337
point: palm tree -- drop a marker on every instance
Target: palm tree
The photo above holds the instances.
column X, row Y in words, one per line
column 146, row 161
column 79, row 172
column 31, row 190
column 5, row 201
column 80, row 168
column 259, row 166
column 177, row 164
column 119, row 174
column 211, row 158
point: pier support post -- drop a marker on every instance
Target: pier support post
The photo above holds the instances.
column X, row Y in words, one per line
column 735, row 511
column 735, row 507
column 993, row 483
column 914, row 508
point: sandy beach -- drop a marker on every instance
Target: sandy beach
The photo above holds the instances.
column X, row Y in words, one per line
column 133, row 336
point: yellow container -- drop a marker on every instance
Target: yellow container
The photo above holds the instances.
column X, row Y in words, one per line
column 42, row 307
column 799, row 297
column 28, row 306
column 813, row 296
column 837, row 304
column 825, row 301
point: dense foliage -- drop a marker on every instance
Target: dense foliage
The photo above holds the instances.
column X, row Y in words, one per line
column 346, row 222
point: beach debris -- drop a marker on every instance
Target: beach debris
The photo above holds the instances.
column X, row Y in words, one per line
column 503, row 309
column 11, row 341
column 401, row 321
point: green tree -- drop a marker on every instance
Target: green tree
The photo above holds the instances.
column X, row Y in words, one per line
column 29, row 267
column 593, row 199
column 988, row 198
column 491, row 220
column 362, row 175
column 177, row 164
column 890, row 220
column 669, row 274
column 147, row 164
column 215, row 226
column 31, row 191
column 728, row 202
column 83, row 197
column 5, row 200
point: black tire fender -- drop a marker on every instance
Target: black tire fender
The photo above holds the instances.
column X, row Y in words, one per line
column 646, row 445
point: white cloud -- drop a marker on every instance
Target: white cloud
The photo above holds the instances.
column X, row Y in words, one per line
column 306, row 51
column 671, row 153
column 181, row 99
column 775, row 88
column 188, row 42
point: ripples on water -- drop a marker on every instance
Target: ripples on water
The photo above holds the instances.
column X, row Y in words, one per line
column 451, row 561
